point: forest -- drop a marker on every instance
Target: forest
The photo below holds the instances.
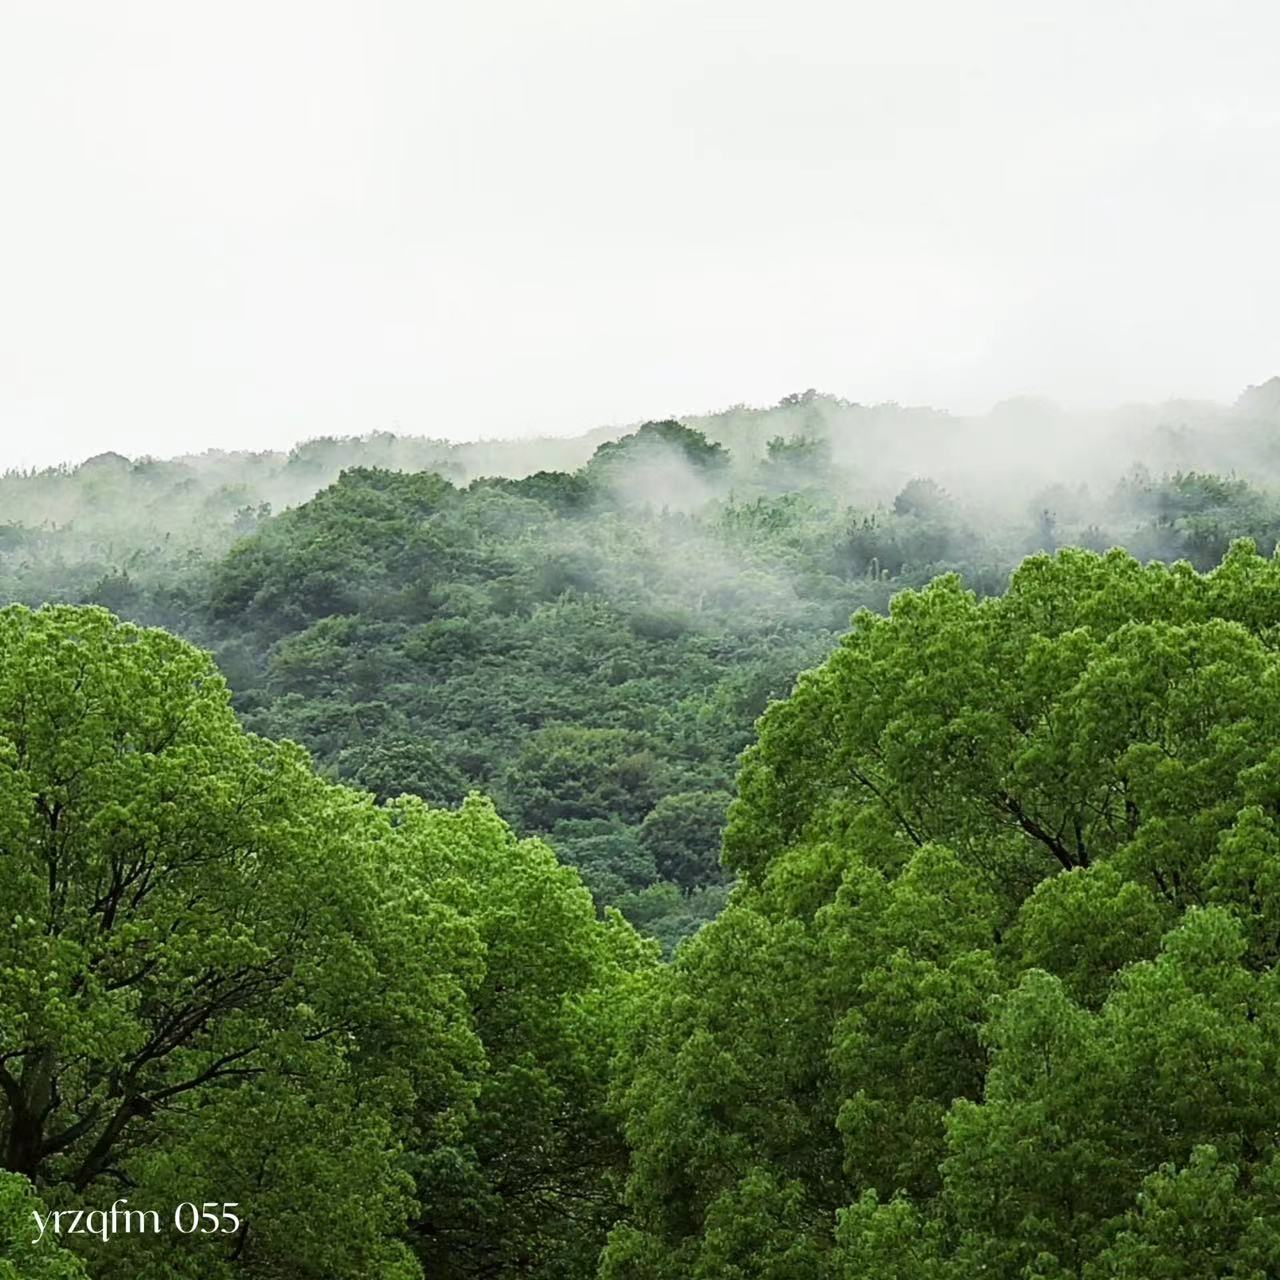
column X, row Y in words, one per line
column 817, row 842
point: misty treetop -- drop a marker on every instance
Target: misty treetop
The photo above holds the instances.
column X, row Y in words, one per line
column 120, row 516
column 993, row 993
column 590, row 646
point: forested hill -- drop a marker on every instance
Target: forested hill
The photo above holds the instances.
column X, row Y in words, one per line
column 109, row 507
column 590, row 647
column 993, row 993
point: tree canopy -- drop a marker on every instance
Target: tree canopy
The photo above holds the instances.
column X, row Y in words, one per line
column 425, row 627
column 996, row 993
column 227, row 979
column 989, row 988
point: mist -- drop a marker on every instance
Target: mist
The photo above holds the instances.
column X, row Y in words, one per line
column 997, row 464
column 238, row 229
column 425, row 615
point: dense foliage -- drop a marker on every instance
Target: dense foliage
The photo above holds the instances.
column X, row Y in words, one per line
column 589, row 647
column 24, row 1253
column 990, row 985
column 381, row 1030
column 594, row 668
column 996, row 994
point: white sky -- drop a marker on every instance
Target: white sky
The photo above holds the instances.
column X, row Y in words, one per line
column 241, row 224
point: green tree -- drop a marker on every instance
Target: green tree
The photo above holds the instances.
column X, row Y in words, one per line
column 660, row 439
column 534, row 1181
column 402, row 766
column 24, row 1253
column 681, row 833
column 229, row 980
column 566, row 772
column 215, row 987
column 996, row 994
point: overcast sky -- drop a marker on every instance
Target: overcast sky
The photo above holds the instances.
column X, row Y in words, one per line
column 241, row 224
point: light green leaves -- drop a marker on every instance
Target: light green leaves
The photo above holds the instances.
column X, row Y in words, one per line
column 1011, row 892
column 382, row 1032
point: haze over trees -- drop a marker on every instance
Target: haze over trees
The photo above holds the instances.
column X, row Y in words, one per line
column 591, row 646
column 308, row 900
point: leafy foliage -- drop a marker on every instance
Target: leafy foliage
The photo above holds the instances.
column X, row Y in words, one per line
column 993, row 994
column 584, row 645
column 226, row 979
column 996, row 993
column 24, row 1253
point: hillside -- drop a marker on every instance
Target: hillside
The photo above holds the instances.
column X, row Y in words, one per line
column 591, row 647
column 957, row 850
